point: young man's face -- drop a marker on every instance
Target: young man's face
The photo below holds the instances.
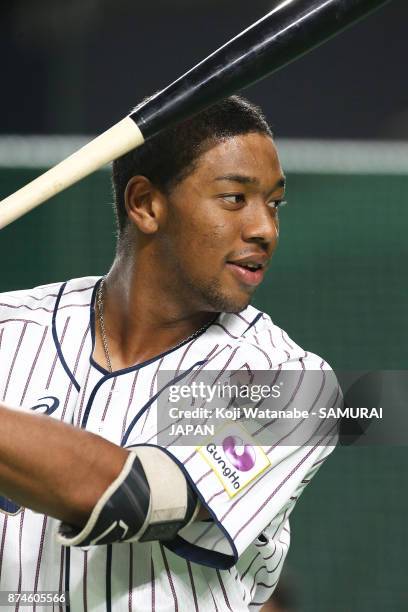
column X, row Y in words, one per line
column 222, row 225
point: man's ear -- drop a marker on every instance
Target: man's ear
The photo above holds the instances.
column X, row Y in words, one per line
column 144, row 204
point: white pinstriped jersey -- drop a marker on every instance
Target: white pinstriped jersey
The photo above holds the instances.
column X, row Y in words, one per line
column 229, row 563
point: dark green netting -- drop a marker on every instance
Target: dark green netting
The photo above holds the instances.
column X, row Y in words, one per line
column 338, row 286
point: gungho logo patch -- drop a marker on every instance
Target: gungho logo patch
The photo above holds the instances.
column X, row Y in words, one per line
column 234, row 457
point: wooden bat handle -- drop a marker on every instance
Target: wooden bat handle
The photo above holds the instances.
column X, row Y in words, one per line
column 118, row 140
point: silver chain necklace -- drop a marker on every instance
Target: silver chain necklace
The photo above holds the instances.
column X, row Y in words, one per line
column 102, row 324
column 99, row 301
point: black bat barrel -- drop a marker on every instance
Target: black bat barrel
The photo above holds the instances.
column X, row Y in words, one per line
column 284, row 34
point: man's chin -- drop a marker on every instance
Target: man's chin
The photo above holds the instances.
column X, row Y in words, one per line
column 229, row 304
column 218, row 299
column 235, row 309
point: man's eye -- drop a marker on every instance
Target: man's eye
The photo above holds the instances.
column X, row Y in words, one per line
column 277, row 204
column 234, row 198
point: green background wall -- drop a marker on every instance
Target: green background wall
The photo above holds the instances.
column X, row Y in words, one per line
column 338, row 286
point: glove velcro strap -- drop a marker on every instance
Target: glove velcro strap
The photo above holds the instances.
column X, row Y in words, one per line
column 168, row 490
column 149, row 500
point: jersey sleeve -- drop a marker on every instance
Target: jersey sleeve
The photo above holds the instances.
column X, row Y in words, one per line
column 260, row 565
column 250, row 492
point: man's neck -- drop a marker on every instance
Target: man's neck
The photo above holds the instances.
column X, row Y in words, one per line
column 140, row 321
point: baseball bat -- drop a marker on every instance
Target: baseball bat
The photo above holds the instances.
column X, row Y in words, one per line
column 290, row 30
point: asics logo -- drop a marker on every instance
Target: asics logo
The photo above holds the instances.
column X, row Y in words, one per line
column 48, row 406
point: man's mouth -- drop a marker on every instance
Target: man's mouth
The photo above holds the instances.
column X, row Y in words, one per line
column 247, row 272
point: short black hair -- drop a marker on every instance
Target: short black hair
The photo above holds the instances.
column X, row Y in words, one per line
column 169, row 156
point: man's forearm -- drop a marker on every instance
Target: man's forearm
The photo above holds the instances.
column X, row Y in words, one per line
column 54, row 468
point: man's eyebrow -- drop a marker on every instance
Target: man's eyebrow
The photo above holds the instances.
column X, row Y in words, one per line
column 281, row 183
column 238, row 178
column 249, row 180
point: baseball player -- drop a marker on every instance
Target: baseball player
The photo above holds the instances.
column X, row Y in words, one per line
column 94, row 508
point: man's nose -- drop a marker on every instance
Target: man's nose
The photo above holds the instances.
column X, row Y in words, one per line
column 261, row 225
